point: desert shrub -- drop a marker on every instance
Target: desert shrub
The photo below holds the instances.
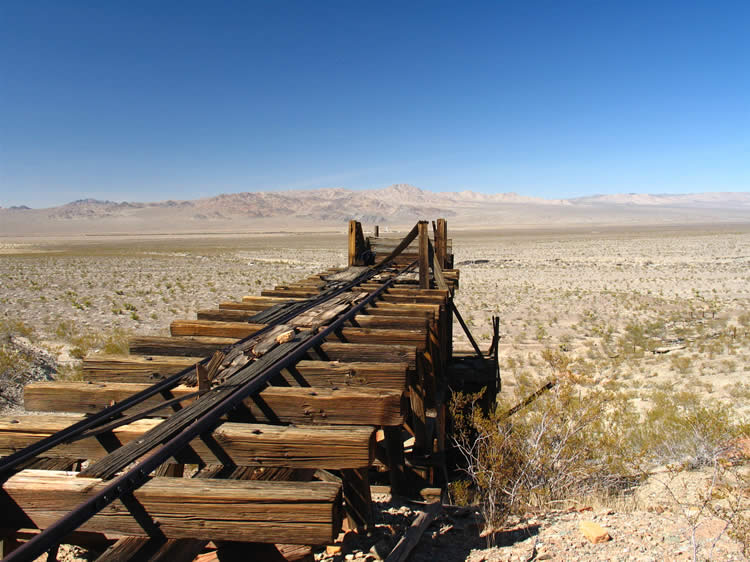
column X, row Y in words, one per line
column 559, row 448
column 14, row 327
column 687, row 429
column 69, row 373
column 116, row 342
column 681, row 363
column 576, row 442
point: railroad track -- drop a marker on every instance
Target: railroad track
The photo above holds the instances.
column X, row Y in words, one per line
column 281, row 408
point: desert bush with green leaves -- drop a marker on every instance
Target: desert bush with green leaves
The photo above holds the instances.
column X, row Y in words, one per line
column 581, row 441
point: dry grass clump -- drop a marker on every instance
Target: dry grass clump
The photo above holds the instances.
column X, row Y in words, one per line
column 11, row 359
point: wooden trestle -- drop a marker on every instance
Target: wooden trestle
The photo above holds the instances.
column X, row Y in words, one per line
column 294, row 459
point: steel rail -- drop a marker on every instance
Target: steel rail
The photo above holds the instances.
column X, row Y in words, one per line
column 12, row 461
column 135, row 477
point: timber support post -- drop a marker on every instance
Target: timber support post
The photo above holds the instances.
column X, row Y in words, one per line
column 441, row 242
column 357, row 244
column 424, row 261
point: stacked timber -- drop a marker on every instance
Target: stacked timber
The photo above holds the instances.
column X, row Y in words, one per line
column 346, row 406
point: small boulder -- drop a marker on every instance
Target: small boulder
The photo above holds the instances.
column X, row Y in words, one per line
column 594, row 532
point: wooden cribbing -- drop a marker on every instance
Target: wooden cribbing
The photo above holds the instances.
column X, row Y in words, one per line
column 135, row 368
column 185, row 508
column 343, row 406
column 333, row 447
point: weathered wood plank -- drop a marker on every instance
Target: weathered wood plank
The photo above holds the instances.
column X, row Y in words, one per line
column 294, row 512
column 388, row 376
column 183, row 346
column 341, row 406
column 369, row 320
column 292, row 293
column 327, row 351
column 134, row 368
column 407, row 291
column 130, row 368
column 237, row 330
column 197, row 345
column 424, row 270
column 441, row 242
column 333, row 447
column 379, row 307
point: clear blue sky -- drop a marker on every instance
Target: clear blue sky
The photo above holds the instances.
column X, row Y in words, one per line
column 155, row 100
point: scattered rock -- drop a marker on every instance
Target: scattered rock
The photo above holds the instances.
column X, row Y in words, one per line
column 594, row 532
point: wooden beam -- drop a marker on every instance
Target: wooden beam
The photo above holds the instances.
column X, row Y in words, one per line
column 208, row 344
column 412, row 299
column 441, row 242
column 408, row 291
column 410, row 539
column 378, row 307
column 353, row 254
column 343, row 406
column 210, row 509
column 236, row 330
column 183, row 346
column 239, row 330
column 328, row 351
column 394, row 449
column 332, row 447
column 388, row 376
column 362, row 320
column 134, row 368
column 358, row 499
column 295, row 293
column 424, row 264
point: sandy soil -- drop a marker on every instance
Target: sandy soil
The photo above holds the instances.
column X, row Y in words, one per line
column 644, row 308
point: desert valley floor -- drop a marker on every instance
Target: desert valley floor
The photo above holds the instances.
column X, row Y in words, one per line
column 644, row 310
column 643, row 307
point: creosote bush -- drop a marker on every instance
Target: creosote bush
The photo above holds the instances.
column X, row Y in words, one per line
column 576, row 442
column 563, row 446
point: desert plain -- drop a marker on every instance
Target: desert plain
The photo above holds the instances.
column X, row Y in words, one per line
column 664, row 306
column 646, row 310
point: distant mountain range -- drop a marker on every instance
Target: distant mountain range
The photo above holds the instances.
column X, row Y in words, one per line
column 398, row 204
